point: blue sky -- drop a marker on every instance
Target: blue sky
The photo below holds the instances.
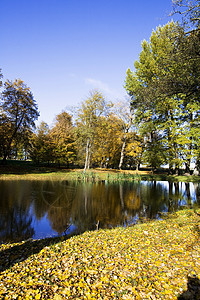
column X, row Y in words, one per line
column 62, row 49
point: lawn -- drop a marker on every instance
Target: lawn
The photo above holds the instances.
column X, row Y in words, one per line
column 29, row 172
column 155, row 260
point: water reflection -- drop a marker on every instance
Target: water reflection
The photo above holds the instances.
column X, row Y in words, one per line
column 15, row 220
column 33, row 209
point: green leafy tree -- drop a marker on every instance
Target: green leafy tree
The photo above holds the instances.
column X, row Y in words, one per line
column 18, row 113
column 164, row 90
column 188, row 56
column 154, row 150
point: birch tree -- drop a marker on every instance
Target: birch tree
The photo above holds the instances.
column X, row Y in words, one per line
column 125, row 112
column 88, row 116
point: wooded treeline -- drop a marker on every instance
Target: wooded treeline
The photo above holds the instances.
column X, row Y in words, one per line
column 93, row 136
column 158, row 125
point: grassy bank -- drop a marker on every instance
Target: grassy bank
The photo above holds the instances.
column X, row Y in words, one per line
column 29, row 172
column 156, row 260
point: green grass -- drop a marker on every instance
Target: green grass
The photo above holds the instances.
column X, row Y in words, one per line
column 28, row 170
column 155, row 260
column 91, row 175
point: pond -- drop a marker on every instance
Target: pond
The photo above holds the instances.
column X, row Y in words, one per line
column 39, row 209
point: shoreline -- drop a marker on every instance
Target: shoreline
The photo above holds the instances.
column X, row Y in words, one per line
column 95, row 175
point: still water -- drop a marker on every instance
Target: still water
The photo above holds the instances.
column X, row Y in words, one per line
column 39, row 209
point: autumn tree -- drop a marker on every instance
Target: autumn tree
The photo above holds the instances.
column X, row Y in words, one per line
column 107, row 141
column 42, row 147
column 62, row 135
column 88, row 116
column 134, row 150
column 18, row 113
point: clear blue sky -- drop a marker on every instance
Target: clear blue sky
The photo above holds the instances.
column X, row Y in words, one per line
column 62, row 49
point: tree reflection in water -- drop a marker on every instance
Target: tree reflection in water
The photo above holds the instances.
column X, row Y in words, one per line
column 77, row 207
column 15, row 221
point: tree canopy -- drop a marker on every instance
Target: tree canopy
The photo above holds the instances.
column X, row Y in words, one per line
column 190, row 12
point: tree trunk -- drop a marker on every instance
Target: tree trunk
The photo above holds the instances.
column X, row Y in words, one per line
column 187, row 166
column 176, row 159
column 89, row 158
column 170, row 144
column 198, row 163
column 87, row 155
column 176, row 197
column 170, row 152
column 4, row 159
column 122, row 154
column 8, row 148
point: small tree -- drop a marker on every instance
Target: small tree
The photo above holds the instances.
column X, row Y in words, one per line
column 62, row 135
column 134, row 150
column 42, row 148
column 107, row 141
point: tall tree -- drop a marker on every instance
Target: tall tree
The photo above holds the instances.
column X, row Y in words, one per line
column 19, row 112
column 88, row 117
column 189, row 53
column 125, row 113
column 164, row 89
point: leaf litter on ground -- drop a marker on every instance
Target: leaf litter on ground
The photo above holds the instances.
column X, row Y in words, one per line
column 147, row 261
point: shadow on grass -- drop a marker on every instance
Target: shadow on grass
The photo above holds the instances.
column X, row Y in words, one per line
column 19, row 253
column 28, row 167
column 193, row 289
